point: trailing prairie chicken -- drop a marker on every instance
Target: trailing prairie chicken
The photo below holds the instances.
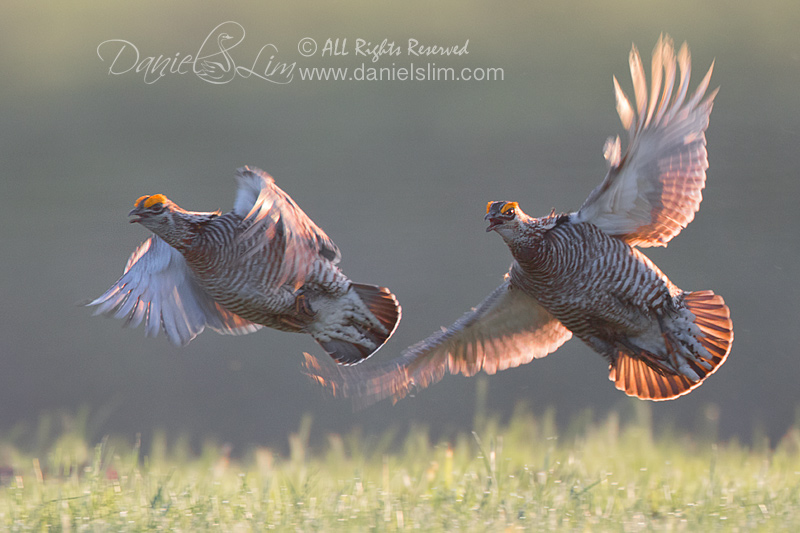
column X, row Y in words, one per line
column 263, row 264
column 579, row 273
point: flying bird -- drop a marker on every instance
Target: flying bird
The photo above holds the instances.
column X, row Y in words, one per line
column 582, row 273
column 265, row 263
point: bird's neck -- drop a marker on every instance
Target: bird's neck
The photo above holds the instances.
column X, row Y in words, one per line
column 529, row 245
column 186, row 228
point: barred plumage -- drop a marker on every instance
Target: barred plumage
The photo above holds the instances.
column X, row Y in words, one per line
column 263, row 264
column 579, row 274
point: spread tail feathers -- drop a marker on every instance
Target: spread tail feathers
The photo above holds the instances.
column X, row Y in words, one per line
column 385, row 308
column 645, row 378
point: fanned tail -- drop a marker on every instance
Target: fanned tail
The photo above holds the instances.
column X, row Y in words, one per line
column 643, row 376
column 385, row 308
column 383, row 304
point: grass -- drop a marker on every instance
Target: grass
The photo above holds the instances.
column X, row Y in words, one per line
column 525, row 474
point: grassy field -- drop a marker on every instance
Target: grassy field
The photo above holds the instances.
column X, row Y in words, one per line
column 594, row 476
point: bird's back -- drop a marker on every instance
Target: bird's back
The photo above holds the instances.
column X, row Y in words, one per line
column 248, row 275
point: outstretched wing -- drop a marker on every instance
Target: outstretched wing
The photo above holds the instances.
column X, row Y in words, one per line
column 279, row 229
column 157, row 287
column 652, row 192
column 507, row 329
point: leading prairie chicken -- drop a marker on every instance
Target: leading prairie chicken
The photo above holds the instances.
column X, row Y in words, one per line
column 263, row 264
column 580, row 273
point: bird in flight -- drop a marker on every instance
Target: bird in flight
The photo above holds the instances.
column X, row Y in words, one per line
column 582, row 273
column 265, row 263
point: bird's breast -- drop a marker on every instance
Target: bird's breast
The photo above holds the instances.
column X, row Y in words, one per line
column 577, row 265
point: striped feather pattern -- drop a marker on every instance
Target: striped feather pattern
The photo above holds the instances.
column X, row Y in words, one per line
column 589, row 281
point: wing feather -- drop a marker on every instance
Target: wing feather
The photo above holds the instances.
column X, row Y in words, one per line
column 652, row 192
column 157, row 288
column 656, row 69
column 276, row 226
column 639, row 82
column 506, row 330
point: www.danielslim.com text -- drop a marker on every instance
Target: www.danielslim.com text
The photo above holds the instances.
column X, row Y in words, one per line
column 411, row 72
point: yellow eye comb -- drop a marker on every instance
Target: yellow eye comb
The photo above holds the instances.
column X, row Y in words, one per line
column 150, row 201
column 508, row 207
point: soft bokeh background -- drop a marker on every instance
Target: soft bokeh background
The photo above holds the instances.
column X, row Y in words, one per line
column 398, row 174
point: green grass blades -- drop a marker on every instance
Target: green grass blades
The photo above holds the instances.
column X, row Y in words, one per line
column 593, row 476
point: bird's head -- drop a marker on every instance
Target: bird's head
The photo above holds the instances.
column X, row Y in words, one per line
column 503, row 217
column 156, row 213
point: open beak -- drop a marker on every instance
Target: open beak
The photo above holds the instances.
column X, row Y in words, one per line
column 493, row 221
column 135, row 211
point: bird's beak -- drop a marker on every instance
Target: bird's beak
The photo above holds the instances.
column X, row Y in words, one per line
column 135, row 211
column 493, row 221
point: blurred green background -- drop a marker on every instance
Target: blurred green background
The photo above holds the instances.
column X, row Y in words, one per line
column 398, row 174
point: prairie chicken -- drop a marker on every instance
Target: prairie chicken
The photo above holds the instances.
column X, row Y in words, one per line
column 579, row 273
column 263, row 264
